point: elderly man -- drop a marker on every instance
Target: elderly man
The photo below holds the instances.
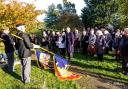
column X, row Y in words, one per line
column 108, row 39
column 69, row 42
column 23, row 47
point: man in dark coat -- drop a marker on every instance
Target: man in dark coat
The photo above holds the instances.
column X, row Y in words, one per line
column 84, row 42
column 24, row 47
column 44, row 40
column 53, row 40
column 124, row 51
column 69, row 42
column 9, row 48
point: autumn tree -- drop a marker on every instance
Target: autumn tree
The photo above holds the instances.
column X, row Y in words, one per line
column 13, row 11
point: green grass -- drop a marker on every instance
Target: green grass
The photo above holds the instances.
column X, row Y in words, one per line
column 107, row 69
column 41, row 79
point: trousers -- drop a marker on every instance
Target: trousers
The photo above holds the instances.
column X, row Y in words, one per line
column 26, row 69
column 10, row 57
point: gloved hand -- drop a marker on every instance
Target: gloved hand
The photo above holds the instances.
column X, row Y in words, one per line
column 36, row 46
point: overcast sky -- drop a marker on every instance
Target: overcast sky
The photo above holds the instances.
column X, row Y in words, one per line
column 43, row 4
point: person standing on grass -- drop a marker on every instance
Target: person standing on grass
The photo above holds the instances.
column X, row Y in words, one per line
column 44, row 40
column 69, row 43
column 53, row 42
column 84, row 42
column 24, row 50
column 108, row 39
column 92, row 40
column 116, row 44
column 9, row 48
column 100, row 45
column 61, row 44
column 76, row 41
column 124, row 51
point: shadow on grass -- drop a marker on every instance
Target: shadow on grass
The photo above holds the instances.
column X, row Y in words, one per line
column 13, row 74
column 91, row 66
column 111, row 77
column 107, row 58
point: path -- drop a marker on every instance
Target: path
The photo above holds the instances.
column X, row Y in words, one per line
column 90, row 81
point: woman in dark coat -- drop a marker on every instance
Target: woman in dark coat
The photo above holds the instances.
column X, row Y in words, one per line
column 100, row 45
column 84, row 42
column 69, row 43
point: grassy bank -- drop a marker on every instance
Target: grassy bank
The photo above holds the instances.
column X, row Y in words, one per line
column 107, row 69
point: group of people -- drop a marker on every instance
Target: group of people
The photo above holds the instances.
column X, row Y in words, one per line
column 88, row 42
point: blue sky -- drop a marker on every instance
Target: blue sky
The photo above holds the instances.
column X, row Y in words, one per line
column 43, row 4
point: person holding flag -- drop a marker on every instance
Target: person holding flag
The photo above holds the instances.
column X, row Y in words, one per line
column 9, row 48
column 24, row 47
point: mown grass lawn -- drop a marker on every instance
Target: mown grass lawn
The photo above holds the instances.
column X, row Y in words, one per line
column 41, row 79
column 107, row 69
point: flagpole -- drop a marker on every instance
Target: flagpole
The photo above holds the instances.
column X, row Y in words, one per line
column 34, row 44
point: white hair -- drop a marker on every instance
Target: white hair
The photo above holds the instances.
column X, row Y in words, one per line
column 106, row 32
column 99, row 33
column 21, row 28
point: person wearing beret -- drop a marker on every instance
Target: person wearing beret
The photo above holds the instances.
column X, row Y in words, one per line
column 24, row 50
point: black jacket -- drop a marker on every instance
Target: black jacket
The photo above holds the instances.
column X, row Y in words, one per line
column 124, row 47
column 8, row 42
column 23, row 46
column 84, row 40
